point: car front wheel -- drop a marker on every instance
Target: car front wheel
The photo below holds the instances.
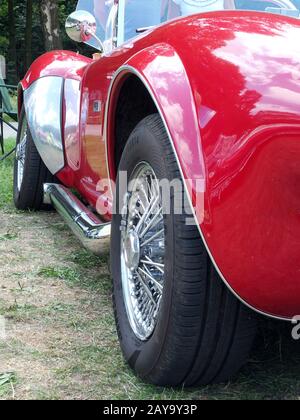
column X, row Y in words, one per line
column 177, row 322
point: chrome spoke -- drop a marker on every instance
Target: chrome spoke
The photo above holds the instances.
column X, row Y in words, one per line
column 159, row 267
column 147, row 274
column 146, row 288
column 152, row 223
column 155, row 236
column 150, row 262
column 148, row 212
column 151, row 193
column 142, row 205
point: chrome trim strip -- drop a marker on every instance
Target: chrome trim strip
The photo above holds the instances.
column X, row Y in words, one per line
column 111, row 32
column 43, row 107
column 94, row 234
column 132, row 70
column 72, row 96
column 121, row 23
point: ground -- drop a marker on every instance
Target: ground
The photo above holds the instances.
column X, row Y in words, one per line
column 60, row 338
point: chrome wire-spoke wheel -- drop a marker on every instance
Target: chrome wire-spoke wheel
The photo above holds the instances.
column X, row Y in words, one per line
column 142, row 250
column 21, row 154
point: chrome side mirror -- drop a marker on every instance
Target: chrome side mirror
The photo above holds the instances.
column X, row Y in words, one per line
column 81, row 26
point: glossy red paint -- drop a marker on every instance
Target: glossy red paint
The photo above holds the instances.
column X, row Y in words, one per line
column 250, row 79
column 227, row 86
column 56, row 63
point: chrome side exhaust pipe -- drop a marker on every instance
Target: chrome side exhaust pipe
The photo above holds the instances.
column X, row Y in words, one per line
column 88, row 228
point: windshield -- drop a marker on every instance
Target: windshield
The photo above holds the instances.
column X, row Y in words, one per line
column 101, row 10
column 132, row 16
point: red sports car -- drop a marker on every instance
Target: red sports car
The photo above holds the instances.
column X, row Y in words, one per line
column 178, row 145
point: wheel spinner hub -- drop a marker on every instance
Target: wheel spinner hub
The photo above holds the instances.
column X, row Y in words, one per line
column 132, row 250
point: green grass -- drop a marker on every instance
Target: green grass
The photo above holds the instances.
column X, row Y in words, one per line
column 67, row 274
column 79, row 276
column 6, row 178
column 7, row 381
column 9, row 236
column 85, row 259
column 57, row 300
column 18, row 313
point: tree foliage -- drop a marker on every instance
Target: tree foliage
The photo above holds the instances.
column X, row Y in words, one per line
column 26, row 32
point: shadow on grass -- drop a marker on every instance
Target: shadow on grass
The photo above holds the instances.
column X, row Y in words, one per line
column 273, row 371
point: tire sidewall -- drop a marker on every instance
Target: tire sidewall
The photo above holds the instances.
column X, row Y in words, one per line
column 18, row 192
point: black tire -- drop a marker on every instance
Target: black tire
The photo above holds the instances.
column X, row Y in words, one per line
column 29, row 195
column 203, row 334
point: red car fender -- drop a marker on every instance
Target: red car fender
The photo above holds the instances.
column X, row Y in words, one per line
column 65, row 64
column 163, row 74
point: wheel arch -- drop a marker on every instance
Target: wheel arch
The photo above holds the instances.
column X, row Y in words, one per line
column 146, row 84
column 132, row 104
